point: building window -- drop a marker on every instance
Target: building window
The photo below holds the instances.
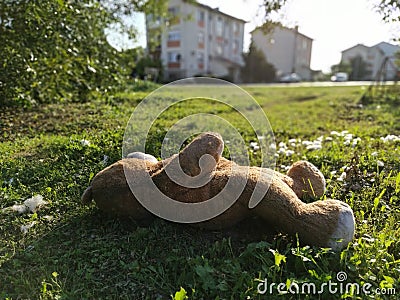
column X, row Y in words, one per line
column 218, row 49
column 235, row 46
column 174, row 57
column 200, row 37
column 235, row 27
column 200, row 57
column 200, row 40
column 200, row 60
column 174, row 36
column 173, row 15
column 174, row 10
column 226, row 29
column 174, row 39
column 201, row 15
column 219, row 27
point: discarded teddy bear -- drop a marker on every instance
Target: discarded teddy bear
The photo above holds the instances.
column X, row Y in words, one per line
column 327, row 223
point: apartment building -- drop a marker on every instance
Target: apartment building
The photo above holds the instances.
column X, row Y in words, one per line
column 197, row 40
column 375, row 57
column 287, row 49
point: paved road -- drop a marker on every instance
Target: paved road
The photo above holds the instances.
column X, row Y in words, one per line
column 312, row 84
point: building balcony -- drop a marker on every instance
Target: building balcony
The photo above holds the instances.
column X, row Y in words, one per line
column 174, row 65
column 173, row 44
column 200, row 24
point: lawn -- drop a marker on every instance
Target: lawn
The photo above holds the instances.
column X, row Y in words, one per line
column 68, row 251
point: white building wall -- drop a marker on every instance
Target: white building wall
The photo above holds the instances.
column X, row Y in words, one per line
column 374, row 56
column 189, row 48
column 287, row 49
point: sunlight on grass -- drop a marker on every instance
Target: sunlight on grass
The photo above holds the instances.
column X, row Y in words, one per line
column 73, row 252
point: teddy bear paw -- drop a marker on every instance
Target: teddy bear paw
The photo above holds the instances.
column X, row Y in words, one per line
column 344, row 231
column 141, row 155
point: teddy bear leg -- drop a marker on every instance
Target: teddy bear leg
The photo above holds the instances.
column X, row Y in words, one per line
column 328, row 223
column 306, row 180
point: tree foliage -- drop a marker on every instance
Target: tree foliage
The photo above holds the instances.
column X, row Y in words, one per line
column 360, row 69
column 390, row 10
column 56, row 50
column 343, row 66
column 256, row 68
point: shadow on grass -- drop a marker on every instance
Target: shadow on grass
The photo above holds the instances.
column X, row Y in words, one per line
column 97, row 256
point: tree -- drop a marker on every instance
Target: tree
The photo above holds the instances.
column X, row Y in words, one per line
column 390, row 10
column 56, row 50
column 343, row 66
column 256, row 68
column 360, row 69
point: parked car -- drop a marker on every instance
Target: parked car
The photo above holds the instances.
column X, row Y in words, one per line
column 293, row 77
column 340, row 77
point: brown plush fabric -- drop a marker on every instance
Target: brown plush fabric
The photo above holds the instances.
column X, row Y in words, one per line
column 280, row 207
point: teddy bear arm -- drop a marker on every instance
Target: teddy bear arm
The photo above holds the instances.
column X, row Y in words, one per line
column 111, row 192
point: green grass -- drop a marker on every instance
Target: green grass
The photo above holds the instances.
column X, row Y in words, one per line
column 75, row 252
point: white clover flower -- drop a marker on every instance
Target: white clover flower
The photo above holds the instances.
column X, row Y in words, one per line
column 342, row 176
column 282, row 145
column 289, row 152
column 380, row 163
column 256, row 147
column 314, row 146
column 292, row 141
column 355, row 142
column 85, row 142
column 253, row 144
column 334, row 132
column 328, row 138
column 282, row 151
column 348, row 137
column 390, row 138
column 374, row 154
column 306, row 143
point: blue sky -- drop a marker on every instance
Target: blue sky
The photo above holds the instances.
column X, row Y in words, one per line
column 334, row 25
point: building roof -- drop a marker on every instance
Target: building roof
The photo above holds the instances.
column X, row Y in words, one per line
column 387, row 49
column 295, row 29
column 216, row 10
column 355, row 46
